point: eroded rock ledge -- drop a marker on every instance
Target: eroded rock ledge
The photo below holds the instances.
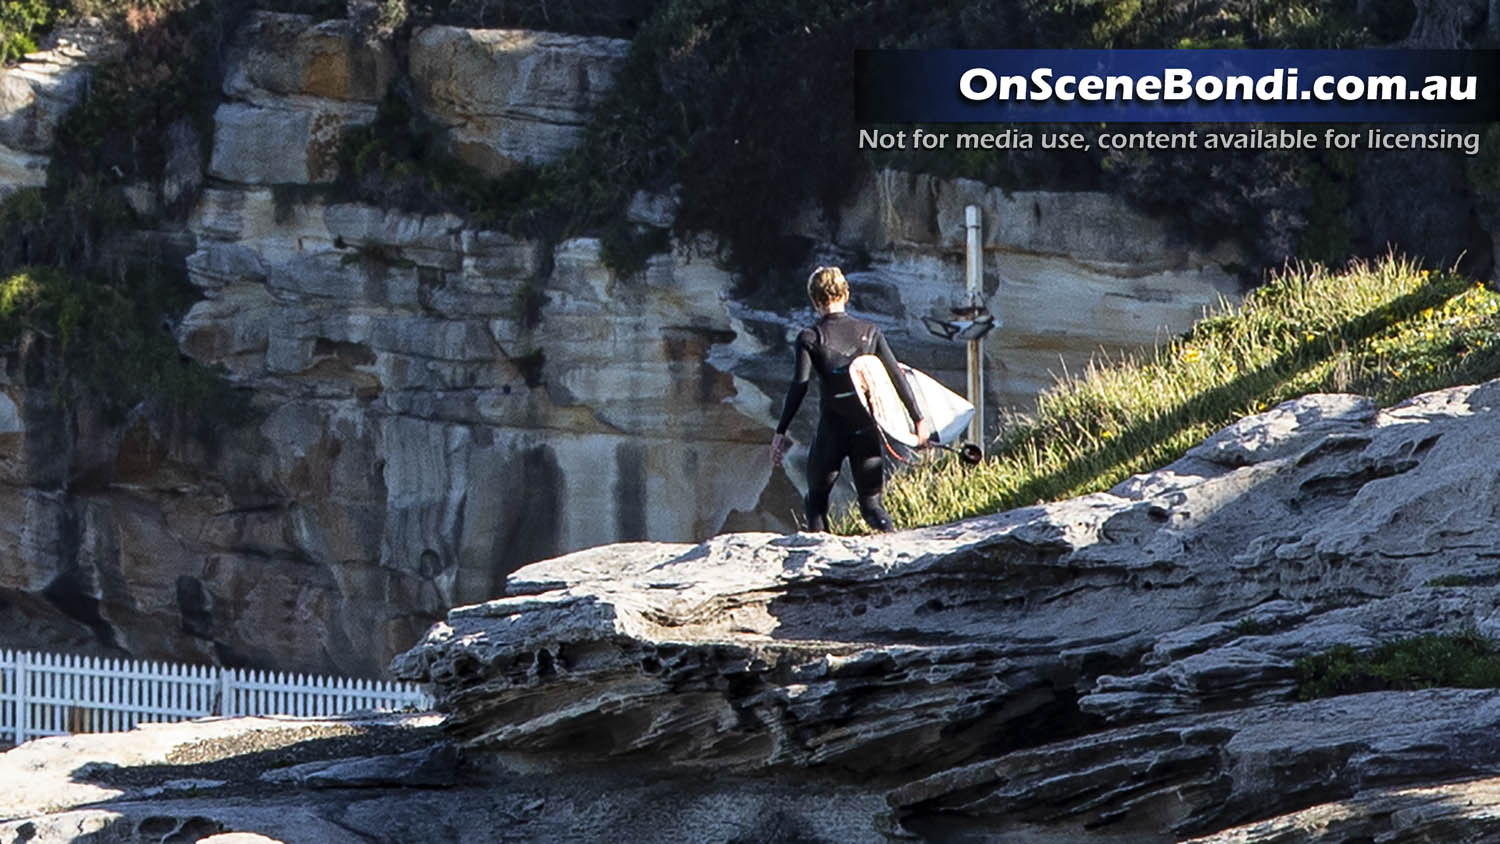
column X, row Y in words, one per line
column 1119, row 667
column 1081, row 669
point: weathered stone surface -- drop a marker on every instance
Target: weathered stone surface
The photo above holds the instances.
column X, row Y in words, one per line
column 257, row 145
column 510, row 96
column 894, row 208
column 975, row 668
column 1282, row 431
column 78, row 770
column 276, row 55
column 427, row 768
column 293, row 85
column 36, row 93
column 440, row 405
column 1237, row 663
column 1465, row 811
column 443, row 405
column 118, row 795
column 1176, row 777
column 506, row 96
column 21, row 170
column 421, row 437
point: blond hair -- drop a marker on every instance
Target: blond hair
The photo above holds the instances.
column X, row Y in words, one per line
column 827, row 285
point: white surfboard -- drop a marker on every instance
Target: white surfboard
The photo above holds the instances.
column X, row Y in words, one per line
column 948, row 411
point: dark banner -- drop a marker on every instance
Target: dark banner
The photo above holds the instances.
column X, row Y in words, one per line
column 1179, row 86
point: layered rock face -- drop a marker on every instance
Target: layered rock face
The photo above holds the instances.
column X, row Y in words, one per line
column 440, row 404
column 509, row 96
column 369, row 779
column 423, row 426
column 506, row 96
column 1117, row 667
column 291, row 87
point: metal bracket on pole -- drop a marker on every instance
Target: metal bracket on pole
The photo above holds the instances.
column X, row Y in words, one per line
column 975, row 286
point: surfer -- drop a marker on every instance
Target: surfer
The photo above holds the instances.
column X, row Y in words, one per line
column 845, row 428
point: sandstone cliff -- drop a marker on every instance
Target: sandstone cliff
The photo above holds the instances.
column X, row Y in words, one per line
column 440, row 403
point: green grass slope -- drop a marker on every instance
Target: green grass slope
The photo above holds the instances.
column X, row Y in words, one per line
column 1386, row 329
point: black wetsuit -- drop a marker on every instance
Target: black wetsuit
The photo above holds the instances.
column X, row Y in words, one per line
column 845, row 428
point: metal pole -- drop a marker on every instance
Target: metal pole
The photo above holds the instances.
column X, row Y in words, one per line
column 975, row 285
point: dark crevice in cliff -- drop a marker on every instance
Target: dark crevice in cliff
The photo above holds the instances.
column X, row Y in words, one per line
column 533, row 530
column 71, row 593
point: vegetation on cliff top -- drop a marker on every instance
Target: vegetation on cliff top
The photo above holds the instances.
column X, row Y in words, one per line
column 20, row 21
column 1386, row 329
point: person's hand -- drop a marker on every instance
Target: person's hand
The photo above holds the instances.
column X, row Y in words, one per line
column 924, row 431
column 780, row 445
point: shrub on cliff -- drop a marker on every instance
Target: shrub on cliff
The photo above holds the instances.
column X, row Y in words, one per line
column 20, row 21
column 1465, row 660
column 77, row 262
column 110, row 344
column 1386, row 329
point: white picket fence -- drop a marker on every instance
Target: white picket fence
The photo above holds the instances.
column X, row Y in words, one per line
column 43, row 694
